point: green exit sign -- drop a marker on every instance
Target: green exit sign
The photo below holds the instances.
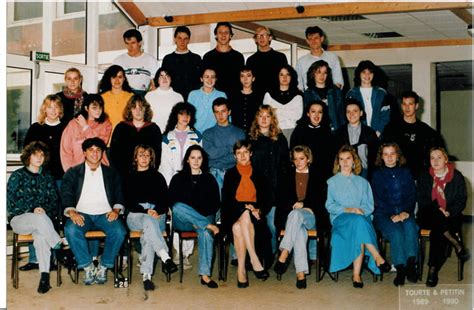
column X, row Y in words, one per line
column 39, row 56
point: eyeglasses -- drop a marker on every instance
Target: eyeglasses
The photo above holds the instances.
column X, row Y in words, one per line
column 263, row 35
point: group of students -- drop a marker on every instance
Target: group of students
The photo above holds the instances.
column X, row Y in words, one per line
column 257, row 157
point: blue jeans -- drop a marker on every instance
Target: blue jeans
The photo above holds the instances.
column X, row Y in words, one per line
column 44, row 235
column 219, row 176
column 272, row 228
column 296, row 236
column 403, row 237
column 152, row 240
column 75, row 235
column 185, row 218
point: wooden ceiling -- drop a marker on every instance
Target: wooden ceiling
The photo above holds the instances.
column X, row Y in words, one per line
column 289, row 25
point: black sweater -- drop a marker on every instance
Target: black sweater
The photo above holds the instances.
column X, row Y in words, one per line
column 200, row 192
column 51, row 136
column 146, row 186
column 124, row 140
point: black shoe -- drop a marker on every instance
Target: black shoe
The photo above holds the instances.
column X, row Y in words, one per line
column 44, row 286
column 301, row 283
column 280, row 268
column 148, row 285
column 169, row 266
column 357, row 284
column 29, row 266
column 234, row 262
column 385, row 267
column 432, row 279
column 411, row 273
column 262, row 274
column 400, row 278
column 242, row 284
column 463, row 255
column 210, row 284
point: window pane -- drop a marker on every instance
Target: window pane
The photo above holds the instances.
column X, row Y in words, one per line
column 112, row 25
column 23, row 39
column 18, row 107
column 27, row 10
column 69, row 42
column 73, row 6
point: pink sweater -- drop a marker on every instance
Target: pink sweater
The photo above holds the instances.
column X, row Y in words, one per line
column 71, row 141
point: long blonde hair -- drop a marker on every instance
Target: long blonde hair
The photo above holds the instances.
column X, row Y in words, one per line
column 48, row 100
column 274, row 127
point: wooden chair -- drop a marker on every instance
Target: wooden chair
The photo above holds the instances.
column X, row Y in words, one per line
column 425, row 237
column 18, row 241
column 94, row 234
column 312, row 235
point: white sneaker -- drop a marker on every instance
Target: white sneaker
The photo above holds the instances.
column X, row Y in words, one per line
column 186, row 263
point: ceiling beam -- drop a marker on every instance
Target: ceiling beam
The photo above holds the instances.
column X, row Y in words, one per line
column 280, row 35
column 133, row 12
column 463, row 14
column 316, row 10
column 446, row 42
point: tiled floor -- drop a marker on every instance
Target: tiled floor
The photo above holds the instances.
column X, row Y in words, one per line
column 270, row 294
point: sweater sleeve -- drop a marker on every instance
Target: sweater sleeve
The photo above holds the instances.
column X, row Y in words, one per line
column 332, row 204
column 457, row 202
column 66, row 146
column 14, row 206
column 367, row 201
column 409, row 192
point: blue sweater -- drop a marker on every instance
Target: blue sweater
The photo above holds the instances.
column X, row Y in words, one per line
column 348, row 192
column 394, row 191
column 218, row 142
column 203, row 103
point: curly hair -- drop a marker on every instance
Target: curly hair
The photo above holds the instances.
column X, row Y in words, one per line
column 356, row 168
column 205, row 159
column 313, row 69
column 274, row 127
column 93, row 99
column 302, row 149
column 145, row 148
column 105, row 83
column 401, row 161
column 50, row 99
column 180, row 108
column 133, row 102
column 32, row 148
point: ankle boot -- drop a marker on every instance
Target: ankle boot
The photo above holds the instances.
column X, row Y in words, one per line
column 411, row 272
column 400, row 278
column 432, row 279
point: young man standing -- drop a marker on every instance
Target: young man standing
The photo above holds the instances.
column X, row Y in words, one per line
column 315, row 38
column 140, row 68
column 218, row 141
column 266, row 62
column 91, row 195
column 184, row 65
column 414, row 137
column 226, row 61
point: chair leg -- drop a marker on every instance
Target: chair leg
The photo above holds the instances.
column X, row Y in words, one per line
column 15, row 261
column 422, row 256
column 318, row 260
column 59, row 279
column 130, row 259
column 181, row 258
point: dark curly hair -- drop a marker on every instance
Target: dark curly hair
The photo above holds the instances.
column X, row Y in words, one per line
column 179, row 108
column 304, row 120
column 366, row 64
column 32, row 148
column 105, row 83
column 205, row 159
column 93, row 99
column 312, row 70
column 294, row 79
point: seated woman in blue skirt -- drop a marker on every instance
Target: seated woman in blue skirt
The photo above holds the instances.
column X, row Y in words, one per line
column 350, row 205
column 195, row 198
column 395, row 197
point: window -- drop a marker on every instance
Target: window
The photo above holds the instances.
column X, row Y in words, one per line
column 18, row 107
column 27, row 10
column 112, row 24
column 73, row 6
